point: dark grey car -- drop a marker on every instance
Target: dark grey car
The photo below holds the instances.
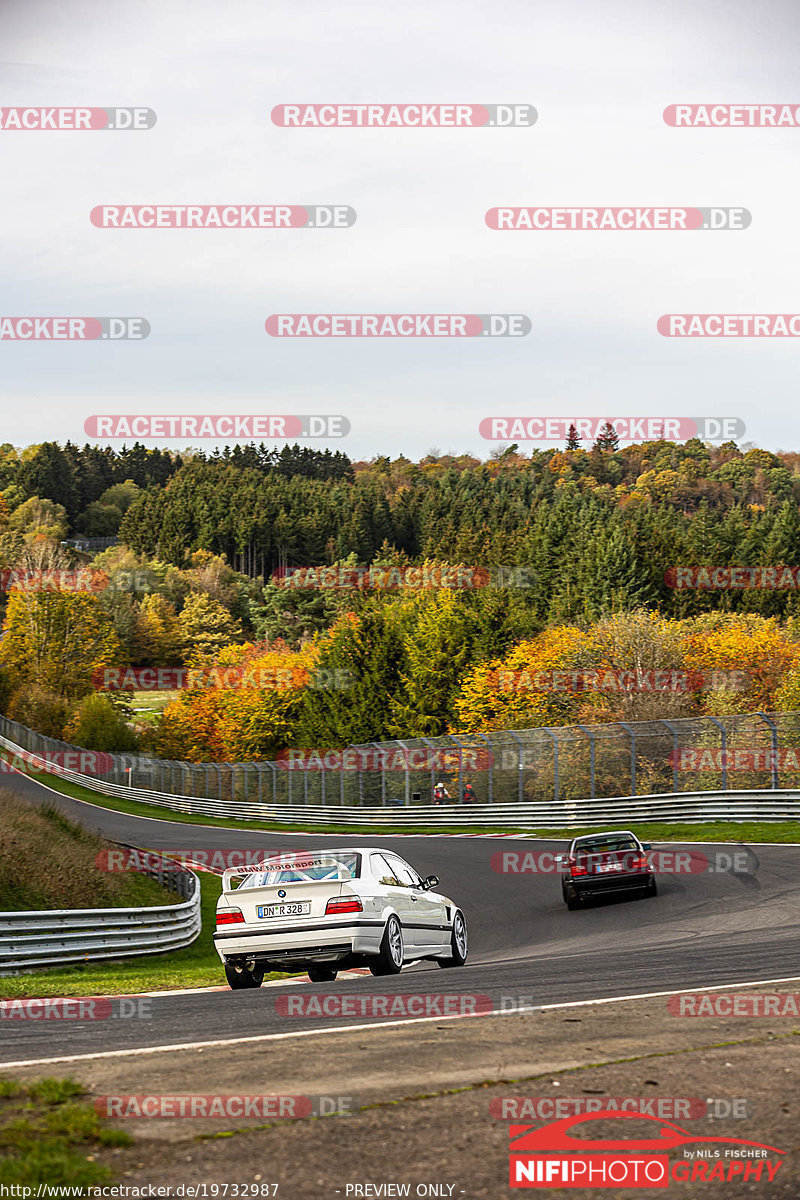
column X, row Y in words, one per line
column 600, row 864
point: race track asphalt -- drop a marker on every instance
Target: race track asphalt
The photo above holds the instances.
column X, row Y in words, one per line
column 734, row 924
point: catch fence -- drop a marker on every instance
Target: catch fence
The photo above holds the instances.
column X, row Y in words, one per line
column 554, row 766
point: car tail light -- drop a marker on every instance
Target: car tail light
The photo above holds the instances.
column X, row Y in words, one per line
column 343, row 904
column 578, row 868
column 230, row 916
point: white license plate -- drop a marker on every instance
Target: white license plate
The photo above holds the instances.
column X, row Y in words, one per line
column 298, row 909
column 609, row 866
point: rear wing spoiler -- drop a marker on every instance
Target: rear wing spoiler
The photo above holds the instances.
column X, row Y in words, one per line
column 342, row 873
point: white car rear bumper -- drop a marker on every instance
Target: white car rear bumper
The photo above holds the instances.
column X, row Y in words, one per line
column 321, row 941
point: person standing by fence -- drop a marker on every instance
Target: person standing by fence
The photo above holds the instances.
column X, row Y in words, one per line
column 441, row 794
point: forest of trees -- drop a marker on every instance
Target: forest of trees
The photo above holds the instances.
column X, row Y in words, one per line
column 203, row 542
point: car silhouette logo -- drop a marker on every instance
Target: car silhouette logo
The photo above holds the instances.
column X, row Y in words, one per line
column 556, row 1136
column 281, row 893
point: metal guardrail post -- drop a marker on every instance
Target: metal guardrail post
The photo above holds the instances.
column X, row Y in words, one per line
column 518, row 740
column 426, row 743
column 773, row 729
column 585, row 729
column 384, row 797
column 674, row 732
column 554, row 736
column 382, row 759
column 398, row 742
column 724, row 749
column 459, row 788
column 491, row 767
column 632, row 735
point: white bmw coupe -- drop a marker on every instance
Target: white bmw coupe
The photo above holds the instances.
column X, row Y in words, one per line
column 326, row 910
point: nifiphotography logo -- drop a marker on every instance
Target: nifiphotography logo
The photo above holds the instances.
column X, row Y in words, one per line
column 550, row 1157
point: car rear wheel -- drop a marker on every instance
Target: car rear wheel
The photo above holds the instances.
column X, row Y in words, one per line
column 244, row 977
column 322, row 974
column 390, row 957
column 571, row 899
column 651, row 889
column 458, row 943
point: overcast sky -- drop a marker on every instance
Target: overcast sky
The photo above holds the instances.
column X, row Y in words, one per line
column 599, row 75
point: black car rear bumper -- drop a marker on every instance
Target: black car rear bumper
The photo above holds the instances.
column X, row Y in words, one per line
column 597, row 885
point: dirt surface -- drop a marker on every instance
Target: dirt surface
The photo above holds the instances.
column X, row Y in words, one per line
column 420, row 1098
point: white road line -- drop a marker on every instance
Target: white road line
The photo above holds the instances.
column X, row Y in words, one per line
column 281, row 1037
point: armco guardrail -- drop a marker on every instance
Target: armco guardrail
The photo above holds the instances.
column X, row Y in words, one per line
column 766, row 805
column 32, row 940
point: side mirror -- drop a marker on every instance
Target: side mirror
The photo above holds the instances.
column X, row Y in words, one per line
column 646, row 846
column 430, row 882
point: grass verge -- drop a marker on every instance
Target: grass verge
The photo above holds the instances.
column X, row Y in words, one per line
column 49, row 1135
column 707, row 831
column 49, row 861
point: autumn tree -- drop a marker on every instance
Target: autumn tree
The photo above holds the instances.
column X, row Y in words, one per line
column 205, row 627
column 57, row 639
column 157, row 638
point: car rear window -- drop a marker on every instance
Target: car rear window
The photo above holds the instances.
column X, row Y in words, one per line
column 314, row 869
column 607, row 846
